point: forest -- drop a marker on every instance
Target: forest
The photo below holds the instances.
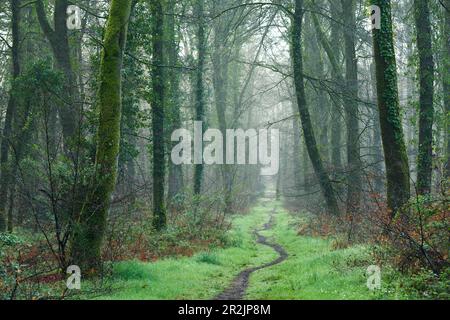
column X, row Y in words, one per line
column 224, row 149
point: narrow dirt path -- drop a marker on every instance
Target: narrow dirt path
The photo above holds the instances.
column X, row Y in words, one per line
column 237, row 289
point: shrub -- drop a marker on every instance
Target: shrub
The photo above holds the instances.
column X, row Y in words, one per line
column 189, row 230
column 26, row 270
column 416, row 242
column 418, row 236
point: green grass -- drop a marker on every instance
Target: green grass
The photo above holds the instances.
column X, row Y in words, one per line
column 201, row 276
column 312, row 270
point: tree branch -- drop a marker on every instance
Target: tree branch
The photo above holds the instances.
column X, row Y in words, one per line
column 43, row 21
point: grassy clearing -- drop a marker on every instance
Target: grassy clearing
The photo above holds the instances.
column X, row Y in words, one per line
column 201, row 276
column 312, row 270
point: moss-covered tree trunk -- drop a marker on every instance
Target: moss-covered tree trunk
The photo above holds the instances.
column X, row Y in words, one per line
column 426, row 111
column 308, row 132
column 91, row 223
column 5, row 176
column 199, row 90
column 354, row 185
column 157, row 105
column 397, row 170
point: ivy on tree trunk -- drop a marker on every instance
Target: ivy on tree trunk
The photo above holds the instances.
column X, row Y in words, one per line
column 396, row 160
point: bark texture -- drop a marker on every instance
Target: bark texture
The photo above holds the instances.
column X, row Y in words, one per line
column 157, row 104
column 91, row 223
column 308, row 132
column 354, row 185
column 426, row 110
column 199, row 90
column 59, row 42
column 175, row 183
column 5, row 176
column 397, row 170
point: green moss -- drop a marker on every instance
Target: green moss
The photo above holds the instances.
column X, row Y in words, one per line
column 88, row 233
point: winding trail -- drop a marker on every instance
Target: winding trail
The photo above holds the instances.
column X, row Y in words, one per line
column 237, row 289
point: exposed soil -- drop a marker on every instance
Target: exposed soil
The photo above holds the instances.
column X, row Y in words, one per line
column 237, row 289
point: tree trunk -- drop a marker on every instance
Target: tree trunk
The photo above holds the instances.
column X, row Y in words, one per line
column 396, row 160
column 278, row 187
column 220, row 84
column 321, row 95
column 308, row 132
column 157, row 104
column 90, row 229
column 5, row 176
column 354, row 186
column 296, row 149
column 199, row 92
column 11, row 208
column 333, row 51
column 376, row 137
column 175, row 182
column 446, row 80
column 59, row 42
column 426, row 112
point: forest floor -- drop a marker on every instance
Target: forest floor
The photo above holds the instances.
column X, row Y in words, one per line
column 266, row 259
